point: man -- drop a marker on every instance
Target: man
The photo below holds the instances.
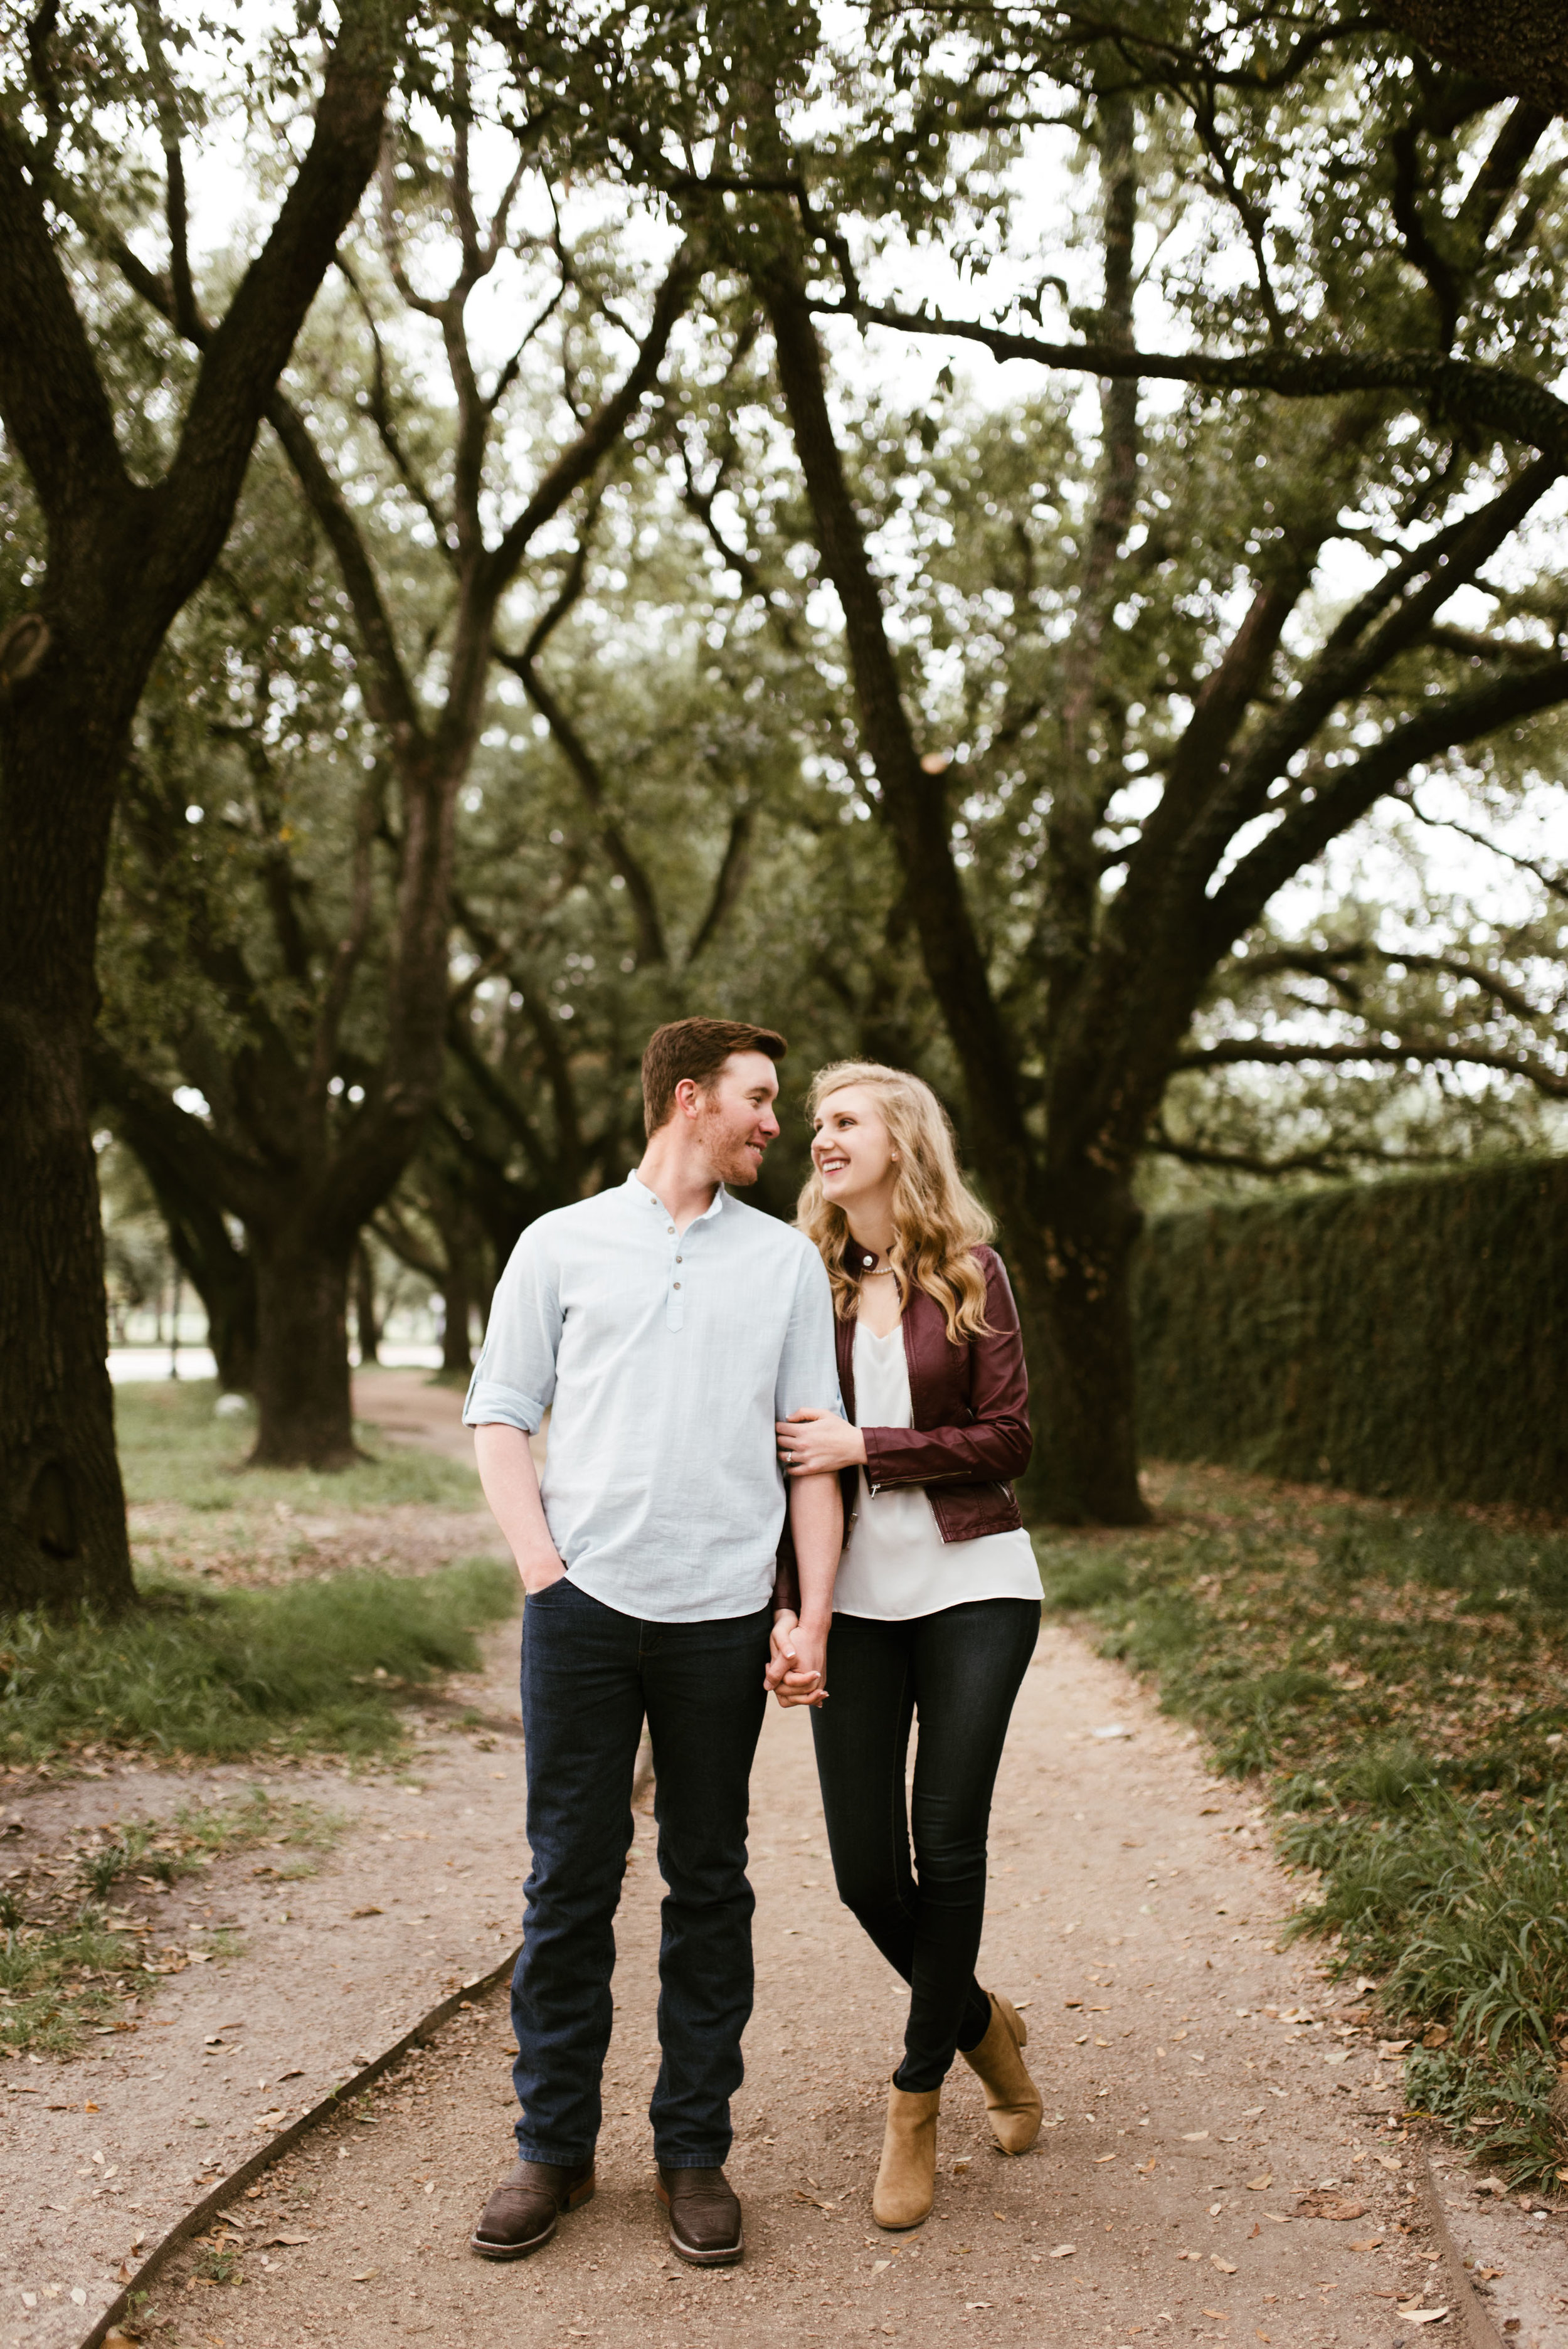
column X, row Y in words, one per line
column 668, row 1327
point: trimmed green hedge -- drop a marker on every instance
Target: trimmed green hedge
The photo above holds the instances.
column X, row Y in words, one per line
column 1407, row 1337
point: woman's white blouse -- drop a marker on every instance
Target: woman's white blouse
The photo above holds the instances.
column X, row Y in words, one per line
column 895, row 1564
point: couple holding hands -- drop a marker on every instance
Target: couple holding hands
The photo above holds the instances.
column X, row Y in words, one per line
column 715, row 1523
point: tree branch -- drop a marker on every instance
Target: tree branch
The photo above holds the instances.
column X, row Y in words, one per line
column 1428, row 1053
column 389, row 694
column 577, row 462
column 1557, row 883
column 623, row 857
column 247, row 352
column 1346, row 792
column 51, row 395
column 1449, row 390
column 730, row 880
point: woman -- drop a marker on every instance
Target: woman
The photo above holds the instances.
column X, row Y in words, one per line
column 937, row 1603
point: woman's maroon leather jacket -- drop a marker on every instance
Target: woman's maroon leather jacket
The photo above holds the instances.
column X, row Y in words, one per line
column 970, row 1406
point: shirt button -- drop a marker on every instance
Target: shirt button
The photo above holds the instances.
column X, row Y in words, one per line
column 678, row 1284
column 680, row 1259
column 671, row 1229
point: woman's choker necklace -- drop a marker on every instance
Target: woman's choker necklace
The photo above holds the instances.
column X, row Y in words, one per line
column 868, row 1268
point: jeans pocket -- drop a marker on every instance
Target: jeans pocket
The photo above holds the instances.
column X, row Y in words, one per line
column 533, row 1598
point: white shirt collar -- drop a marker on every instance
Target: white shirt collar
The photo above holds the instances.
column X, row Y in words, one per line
column 719, row 1197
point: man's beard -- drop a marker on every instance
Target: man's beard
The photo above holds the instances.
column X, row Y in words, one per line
column 728, row 1152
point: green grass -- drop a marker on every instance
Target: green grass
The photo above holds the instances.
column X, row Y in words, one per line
column 57, row 1980
column 161, row 1851
column 1397, row 1679
column 62, row 1973
column 171, row 1448
column 223, row 1673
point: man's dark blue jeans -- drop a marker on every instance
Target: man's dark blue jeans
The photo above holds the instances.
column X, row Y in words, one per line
column 588, row 1676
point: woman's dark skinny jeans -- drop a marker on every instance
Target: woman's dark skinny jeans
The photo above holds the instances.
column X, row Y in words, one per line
column 960, row 1671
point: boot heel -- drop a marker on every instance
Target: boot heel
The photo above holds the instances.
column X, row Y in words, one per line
column 581, row 2194
column 1012, row 2099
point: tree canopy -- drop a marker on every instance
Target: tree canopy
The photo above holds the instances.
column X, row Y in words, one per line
column 1023, row 548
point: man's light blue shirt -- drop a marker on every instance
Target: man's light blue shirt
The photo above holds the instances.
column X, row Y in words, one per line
column 664, row 1358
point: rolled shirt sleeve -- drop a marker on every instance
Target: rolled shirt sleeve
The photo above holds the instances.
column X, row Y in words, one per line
column 513, row 1382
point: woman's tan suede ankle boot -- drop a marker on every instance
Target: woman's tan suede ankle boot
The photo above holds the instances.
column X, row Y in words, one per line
column 906, row 2176
column 1012, row 2099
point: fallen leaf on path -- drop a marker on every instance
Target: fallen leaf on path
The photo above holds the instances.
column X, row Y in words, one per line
column 1387, row 2161
column 878, row 2265
column 285, row 2236
column 363, row 2277
column 1072, row 2002
column 1219, row 2313
column 1193, row 2136
column 1422, row 2315
column 1260, row 2185
column 1276, row 2218
column 1226, row 2267
column 1373, row 2243
column 1062, row 2251
column 371, row 1912
column 1103, row 2157
column 1490, row 2275
column 1329, row 2206
column 1101, row 2042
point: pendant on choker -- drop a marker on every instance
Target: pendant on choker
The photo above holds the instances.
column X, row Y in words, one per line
column 868, row 1261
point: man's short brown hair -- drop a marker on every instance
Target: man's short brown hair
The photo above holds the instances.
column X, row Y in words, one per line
column 698, row 1049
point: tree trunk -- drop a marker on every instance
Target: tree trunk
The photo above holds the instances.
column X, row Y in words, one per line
column 1072, row 1260
column 305, row 1416
column 455, row 1352
column 63, row 1540
column 222, row 1276
column 365, row 1323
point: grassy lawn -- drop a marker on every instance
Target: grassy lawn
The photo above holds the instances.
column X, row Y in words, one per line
column 67, row 1960
column 1398, row 1679
column 173, row 1449
column 267, row 1648
column 224, row 1673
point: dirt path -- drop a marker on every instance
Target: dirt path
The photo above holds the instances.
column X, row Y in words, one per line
column 1198, row 2083
column 1197, row 2087
column 407, row 1408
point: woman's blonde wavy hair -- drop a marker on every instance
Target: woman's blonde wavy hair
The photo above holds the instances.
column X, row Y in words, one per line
column 937, row 1221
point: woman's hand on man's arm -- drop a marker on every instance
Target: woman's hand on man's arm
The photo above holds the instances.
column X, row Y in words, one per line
column 815, row 1443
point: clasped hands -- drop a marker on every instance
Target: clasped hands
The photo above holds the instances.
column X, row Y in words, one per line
column 796, row 1661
